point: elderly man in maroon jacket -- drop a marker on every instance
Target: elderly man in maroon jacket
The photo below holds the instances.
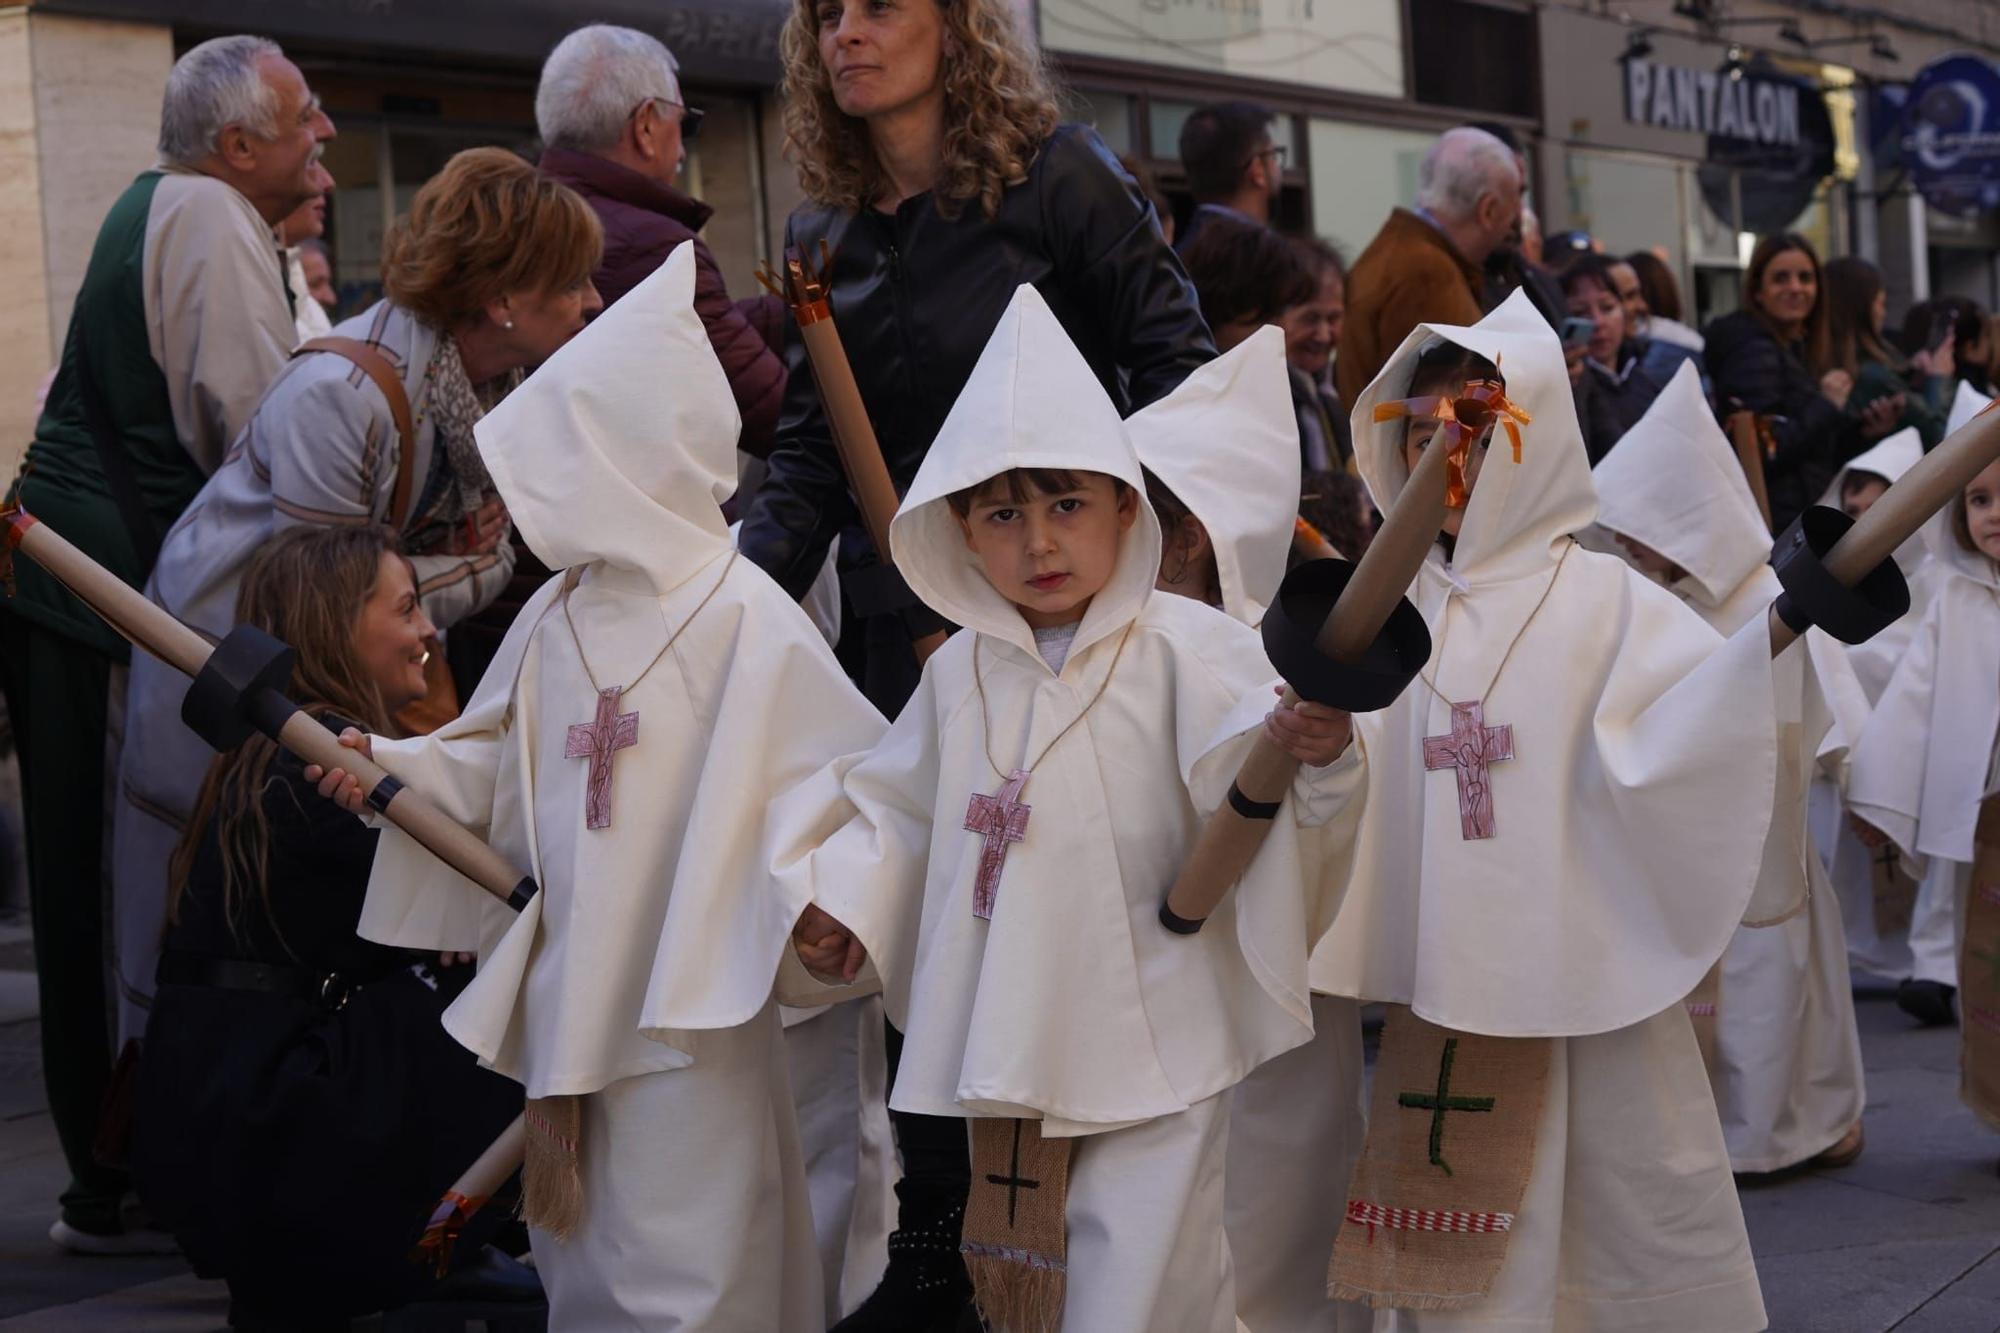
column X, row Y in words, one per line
column 614, row 126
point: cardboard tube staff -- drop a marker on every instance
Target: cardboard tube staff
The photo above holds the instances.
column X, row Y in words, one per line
column 809, row 293
column 1837, row 575
column 239, row 687
column 1747, row 431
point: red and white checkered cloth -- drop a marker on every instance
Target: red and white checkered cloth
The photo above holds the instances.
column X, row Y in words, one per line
column 1372, row 1215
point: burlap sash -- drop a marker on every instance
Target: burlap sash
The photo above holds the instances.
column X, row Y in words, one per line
column 1451, row 1140
column 1979, row 972
column 551, row 1176
column 1016, row 1242
column 1702, row 1004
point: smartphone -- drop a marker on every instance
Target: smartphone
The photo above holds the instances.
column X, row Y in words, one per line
column 1942, row 324
column 1578, row 330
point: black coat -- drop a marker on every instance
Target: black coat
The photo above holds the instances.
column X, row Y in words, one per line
column 1814, row 438
column 296, row 1150
column 916, row 295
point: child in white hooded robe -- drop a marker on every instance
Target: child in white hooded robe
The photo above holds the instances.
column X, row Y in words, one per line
column 1549, row 960
column 1068, row 1008
column 1786, row 1060
column 633, row 996
column 1225, row 448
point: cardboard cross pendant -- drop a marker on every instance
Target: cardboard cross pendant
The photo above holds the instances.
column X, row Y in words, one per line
column 999, row 819
column 598, row 741
column 1469, row 748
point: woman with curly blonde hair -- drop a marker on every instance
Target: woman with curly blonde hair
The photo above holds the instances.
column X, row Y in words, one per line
column 487, row 276
column 930, row 146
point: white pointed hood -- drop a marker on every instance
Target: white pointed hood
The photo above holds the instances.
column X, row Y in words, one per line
column 1890, row 458
column 1966, row 404
column 621, row 448
column 1031, row 401
column 1519, row 513
column 1226, row 443
column 1674, row 484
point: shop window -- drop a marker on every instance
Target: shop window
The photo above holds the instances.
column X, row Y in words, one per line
column 1164, row 120
column 1360, row 173
column 1109, row 113
column 1450, row 42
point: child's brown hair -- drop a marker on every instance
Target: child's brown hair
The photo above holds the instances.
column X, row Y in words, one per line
column 1021, row 484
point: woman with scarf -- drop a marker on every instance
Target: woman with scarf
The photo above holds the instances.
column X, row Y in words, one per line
column 485, row 278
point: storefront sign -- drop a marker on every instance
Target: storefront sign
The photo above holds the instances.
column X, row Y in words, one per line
column 1724, row 104
column 1764, row 183
column 1349, row 45
column 1951, row 134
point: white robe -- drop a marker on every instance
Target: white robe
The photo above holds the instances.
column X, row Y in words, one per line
column 1296, row 1122
column 640, row 977
column 1072, row 1004
column 1787, row 1071
column 1630, row 832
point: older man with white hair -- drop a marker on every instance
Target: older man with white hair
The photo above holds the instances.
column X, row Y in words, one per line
column 615, row 129
column 1425, row 266
column 182, row 320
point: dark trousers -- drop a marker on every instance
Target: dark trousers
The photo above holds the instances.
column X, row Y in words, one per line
column 55, row 689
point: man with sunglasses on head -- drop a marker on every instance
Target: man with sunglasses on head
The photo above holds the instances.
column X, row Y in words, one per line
column 615, row 128
column 1234, row 168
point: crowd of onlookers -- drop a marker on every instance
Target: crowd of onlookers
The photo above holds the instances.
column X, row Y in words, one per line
column 201, row 448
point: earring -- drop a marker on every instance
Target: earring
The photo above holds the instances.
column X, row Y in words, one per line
column 508, row 325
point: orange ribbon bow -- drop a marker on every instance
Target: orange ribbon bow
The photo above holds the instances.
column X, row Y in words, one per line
column 1466, row 418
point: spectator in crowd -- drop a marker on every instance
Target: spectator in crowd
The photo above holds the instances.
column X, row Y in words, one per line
column 615, row 129
column 1771, row 358
column 301, row 1108
column 316, row 267
column 1660, row 299
column 303, row 227
column 1312, row 332
column 148, row 395
column 1928, row 324
column 1234, row 167
column 1660, row 357
column 1918, row 388
column 1425, row 266
column 488, row 275
column 1532, row 248
column 1245, row 276
column 1336, row 506
column 948, row 178
column 1615, row 374
column 1510, row 267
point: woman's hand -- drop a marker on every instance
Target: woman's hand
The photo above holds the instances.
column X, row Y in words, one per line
column 1836, row 386
column 1880, row 417
column 1941, row 362
column 487, row 527
column 828, row 949
column 1872, row 838
column 1573, row 356
column 338, row 785
column 1310, row 733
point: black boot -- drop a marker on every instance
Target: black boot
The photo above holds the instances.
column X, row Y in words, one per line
column 925, row 1289
column 1929, row 1002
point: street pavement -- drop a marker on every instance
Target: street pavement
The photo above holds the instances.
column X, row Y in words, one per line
column 1908, row 1238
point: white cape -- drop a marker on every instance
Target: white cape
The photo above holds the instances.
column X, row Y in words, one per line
column 664, row 923
column 1631, row 823
column 1072, row 1003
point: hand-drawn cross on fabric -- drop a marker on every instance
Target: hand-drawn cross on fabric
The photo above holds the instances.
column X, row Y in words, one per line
column 1442, row 1102
column 1469, row 748
column 598, row 741
column 999, row 819
column 1014, row 1180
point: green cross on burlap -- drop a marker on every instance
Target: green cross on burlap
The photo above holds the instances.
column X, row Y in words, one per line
column 1440, row 1103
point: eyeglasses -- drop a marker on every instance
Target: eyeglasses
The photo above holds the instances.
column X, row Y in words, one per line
column 1276, row 150
column 691, row 116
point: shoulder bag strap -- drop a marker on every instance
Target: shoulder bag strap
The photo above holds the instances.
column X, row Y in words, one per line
column 377, row 368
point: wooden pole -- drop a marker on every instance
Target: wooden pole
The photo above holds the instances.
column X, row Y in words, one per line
column 1902, row 510
column 1229, row 841
column 810, row 298
column 1750, row 453
column 151, row 628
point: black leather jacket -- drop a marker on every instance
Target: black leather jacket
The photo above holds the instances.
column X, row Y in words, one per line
column 916, row 295
column 1814, row 438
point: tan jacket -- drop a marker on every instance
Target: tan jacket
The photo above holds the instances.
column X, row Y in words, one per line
column 1410, row 274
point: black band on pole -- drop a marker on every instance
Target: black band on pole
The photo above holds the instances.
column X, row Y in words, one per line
column 1249, row 809
column 1813, row 597
column 1179, row 925
column 384, row 792
column 1291, row 630
column 226, row 701
column 525, row 890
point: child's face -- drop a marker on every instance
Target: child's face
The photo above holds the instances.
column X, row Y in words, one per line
column 1050, row 554
column 1417, row 435
column 1862, row 491
column 1982, row 511
column 1648, row 561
